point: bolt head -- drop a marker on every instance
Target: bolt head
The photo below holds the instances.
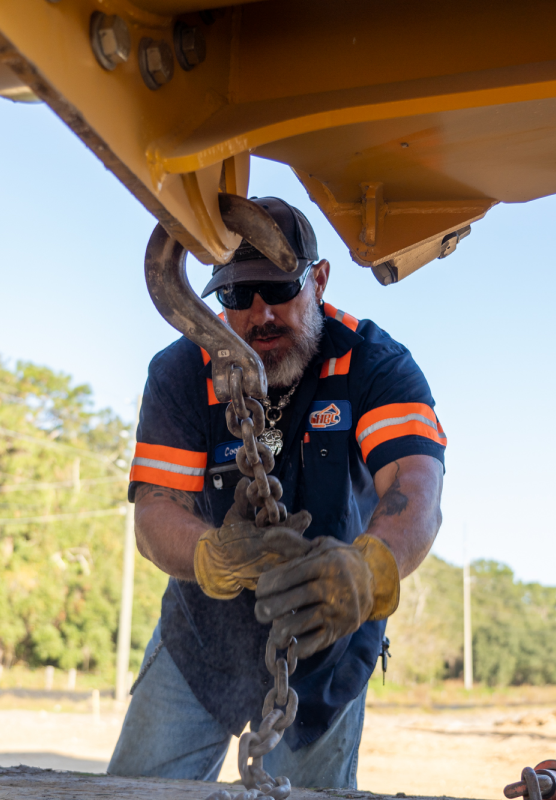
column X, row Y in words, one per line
column 190, row 45
column 115, row 41
column 110, row 40
column 160, row 62
column 156, row 62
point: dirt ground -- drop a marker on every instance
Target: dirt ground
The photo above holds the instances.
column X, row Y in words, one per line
column 460, row 752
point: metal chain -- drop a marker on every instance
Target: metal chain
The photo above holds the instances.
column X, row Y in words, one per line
column 275, row 721
column 533, row 785
column 256, row 460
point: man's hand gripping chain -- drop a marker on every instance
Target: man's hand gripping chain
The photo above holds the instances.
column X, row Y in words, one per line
column 255, row 460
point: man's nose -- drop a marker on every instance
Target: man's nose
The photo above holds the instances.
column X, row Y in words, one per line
column 261, row 312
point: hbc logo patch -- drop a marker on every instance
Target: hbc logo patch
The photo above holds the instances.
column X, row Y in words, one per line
column 329, row 414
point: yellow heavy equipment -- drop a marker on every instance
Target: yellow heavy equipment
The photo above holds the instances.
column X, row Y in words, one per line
column 405, row 121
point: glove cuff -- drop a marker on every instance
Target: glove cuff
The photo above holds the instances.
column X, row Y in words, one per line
column 215, row 581
column 384, row 569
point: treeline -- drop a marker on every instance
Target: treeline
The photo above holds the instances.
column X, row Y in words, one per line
column 63, row 481
column 514, row 626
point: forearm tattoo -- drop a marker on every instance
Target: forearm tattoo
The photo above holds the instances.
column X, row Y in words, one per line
column 184, row 499
column 393, row 502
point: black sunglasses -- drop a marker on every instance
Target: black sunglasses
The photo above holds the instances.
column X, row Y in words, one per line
column 239, row 296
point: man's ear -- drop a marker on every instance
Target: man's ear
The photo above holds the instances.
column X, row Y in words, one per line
column 321, row 273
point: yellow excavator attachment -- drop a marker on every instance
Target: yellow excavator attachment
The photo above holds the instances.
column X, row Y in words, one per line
column 405, row 121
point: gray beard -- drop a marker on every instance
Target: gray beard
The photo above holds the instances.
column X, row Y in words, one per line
column 288, row 368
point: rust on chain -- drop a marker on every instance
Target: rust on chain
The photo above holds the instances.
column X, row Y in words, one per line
column 519, row 789
column 535, row 783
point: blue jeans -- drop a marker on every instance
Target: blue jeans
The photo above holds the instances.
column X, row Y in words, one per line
column 167, row 733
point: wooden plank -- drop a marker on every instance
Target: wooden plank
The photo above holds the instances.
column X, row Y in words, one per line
column 31, row 783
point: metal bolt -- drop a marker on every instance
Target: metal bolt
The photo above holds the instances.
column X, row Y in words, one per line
column 190, row 45
column 110, row 40
column 156, row 62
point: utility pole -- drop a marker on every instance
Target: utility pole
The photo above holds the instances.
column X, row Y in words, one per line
column 126, row 606
column 467, row 630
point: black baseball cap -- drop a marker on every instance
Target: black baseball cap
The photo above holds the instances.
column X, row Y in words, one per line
column 249, row 264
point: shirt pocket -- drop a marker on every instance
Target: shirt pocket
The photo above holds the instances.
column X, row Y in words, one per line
column 327, row 482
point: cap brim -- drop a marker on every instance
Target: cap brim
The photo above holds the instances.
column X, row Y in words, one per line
column 259, row 269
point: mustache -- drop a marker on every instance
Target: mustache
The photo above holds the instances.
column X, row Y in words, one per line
column 267, row 330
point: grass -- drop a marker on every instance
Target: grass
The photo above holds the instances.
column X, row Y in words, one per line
column 452, row 694
column 21, row 677
column 22, row 688
column 17, row 681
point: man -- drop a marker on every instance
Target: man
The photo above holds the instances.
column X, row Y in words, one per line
column 358, row 446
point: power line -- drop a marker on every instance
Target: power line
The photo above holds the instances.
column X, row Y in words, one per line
column 16, row 487
column 120, row 510
column 47, row 443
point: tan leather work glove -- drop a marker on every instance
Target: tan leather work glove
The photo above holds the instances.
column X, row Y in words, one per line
column 233, row 557
column 328, row 593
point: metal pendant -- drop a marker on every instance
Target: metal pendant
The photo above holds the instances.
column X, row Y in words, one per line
column 273, row 438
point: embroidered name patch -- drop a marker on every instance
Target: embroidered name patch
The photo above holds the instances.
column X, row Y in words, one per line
column 226, row 451
column 329, row 415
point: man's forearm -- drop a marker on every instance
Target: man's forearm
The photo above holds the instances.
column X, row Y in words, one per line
column 408, row 515
column 166, row 529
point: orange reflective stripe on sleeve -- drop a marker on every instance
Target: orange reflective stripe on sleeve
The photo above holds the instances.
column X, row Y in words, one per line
column 441, row 435
column 169, row 466
column 395, row 420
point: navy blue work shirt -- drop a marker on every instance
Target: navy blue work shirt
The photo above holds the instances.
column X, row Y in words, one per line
column 362, row 403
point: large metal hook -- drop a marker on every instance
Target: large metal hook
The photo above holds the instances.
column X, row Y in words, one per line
column 171, row 292
column 253, row 223
column 174, row 298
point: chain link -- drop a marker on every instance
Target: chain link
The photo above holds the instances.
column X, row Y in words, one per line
column 256, row 460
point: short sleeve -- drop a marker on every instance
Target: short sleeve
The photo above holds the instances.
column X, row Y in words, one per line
column 171, row 445
column 395, row 415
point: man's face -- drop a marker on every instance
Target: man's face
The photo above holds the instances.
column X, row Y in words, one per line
column 274, row 331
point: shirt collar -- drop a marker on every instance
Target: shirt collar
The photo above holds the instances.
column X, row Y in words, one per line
column 337, row 339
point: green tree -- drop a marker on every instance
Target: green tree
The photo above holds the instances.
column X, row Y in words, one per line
column 60, row 580
column 514, row 626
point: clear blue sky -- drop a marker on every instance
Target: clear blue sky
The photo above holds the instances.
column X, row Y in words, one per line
column 480, row 323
